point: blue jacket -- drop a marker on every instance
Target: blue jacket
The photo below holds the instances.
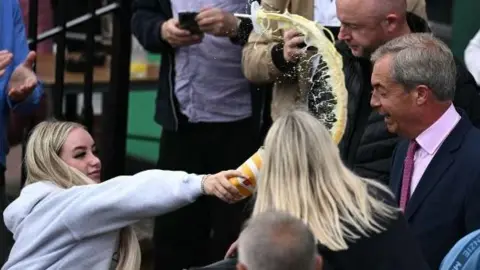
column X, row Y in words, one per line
column 13, row 38
column 465, row 255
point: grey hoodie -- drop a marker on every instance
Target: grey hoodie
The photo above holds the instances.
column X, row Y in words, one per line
column 78, row 228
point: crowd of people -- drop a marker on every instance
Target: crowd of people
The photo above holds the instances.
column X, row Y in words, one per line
column 398, row 192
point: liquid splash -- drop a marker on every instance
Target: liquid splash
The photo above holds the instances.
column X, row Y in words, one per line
column 327, row 95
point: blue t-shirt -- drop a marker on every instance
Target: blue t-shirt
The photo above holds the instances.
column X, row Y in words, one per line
column 465, row 255
column 13, row 39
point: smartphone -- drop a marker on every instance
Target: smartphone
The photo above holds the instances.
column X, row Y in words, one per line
column 188, row 22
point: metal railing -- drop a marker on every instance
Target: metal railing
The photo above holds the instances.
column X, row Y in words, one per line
column 115, row 100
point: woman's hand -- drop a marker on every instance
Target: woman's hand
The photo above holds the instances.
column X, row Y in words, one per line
column 218, row 185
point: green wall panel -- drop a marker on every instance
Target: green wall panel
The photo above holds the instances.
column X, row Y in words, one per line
column 144, row 150
column 140, row 123
column 465, row 24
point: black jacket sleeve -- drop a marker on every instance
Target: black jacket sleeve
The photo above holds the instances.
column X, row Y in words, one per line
column 467, row 94
column 244, row 29
column 147, row 19
column 243, row 32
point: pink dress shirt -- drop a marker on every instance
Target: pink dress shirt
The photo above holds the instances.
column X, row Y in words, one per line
column 429, row 142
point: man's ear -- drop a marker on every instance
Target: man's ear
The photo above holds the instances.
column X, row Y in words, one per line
column 391, row 23
column 423, row 92
column 318, row 262
column 241, row 266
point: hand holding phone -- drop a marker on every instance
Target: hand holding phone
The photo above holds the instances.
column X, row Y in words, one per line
column 188, row 22
column 217, row 22
column 176, row 36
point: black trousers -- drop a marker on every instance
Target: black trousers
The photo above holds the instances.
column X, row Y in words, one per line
column 6, row 238
column 201, row 233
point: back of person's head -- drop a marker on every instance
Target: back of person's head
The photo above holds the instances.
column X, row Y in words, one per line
column 465, row 255
column 304, row 176
column 43, row 163
column 42, row 155
column 277, row 241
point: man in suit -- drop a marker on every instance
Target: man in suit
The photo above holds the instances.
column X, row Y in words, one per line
column 366, row 146
column 435, row 173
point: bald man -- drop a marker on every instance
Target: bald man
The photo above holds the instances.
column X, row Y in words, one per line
column 366, row 146
column 269, row 236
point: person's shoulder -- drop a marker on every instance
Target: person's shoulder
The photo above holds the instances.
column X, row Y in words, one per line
column 466, row 253
column 417, row 24
column 32, row 198
column 467, row 147
column 472, row 134
column 464, row 77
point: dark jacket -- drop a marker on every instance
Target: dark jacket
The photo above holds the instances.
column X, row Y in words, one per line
column 446, row 203
column 393, row 249
column 367, row 146
column 147, row 19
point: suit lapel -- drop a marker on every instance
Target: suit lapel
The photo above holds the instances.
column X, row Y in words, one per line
column 438, row 167
column 397, row 168
column 440, row 163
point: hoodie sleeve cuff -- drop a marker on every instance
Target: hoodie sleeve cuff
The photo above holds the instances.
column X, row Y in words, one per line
column 244, row 30
column 279, row 61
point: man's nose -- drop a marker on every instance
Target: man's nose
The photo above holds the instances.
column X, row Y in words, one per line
column 342, row 33
column 374, row 102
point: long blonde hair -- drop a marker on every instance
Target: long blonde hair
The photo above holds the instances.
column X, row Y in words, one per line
column 303, row 175
column 43, row 163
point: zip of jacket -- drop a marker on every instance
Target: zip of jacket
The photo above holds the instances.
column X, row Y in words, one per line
column 171, row 89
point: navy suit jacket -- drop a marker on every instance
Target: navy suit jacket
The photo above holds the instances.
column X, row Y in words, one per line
column 445, row 206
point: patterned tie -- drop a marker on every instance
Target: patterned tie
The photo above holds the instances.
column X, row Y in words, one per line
column 407, row 174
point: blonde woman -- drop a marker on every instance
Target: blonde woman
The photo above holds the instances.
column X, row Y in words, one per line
column 66, row 219
column 352, row 218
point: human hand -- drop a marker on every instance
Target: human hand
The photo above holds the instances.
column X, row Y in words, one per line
column 217, row 22
column 177, row 37
column 232, row 250
column 23, row 80
column 5, row 60
column 291, row 48
column 219, row 186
